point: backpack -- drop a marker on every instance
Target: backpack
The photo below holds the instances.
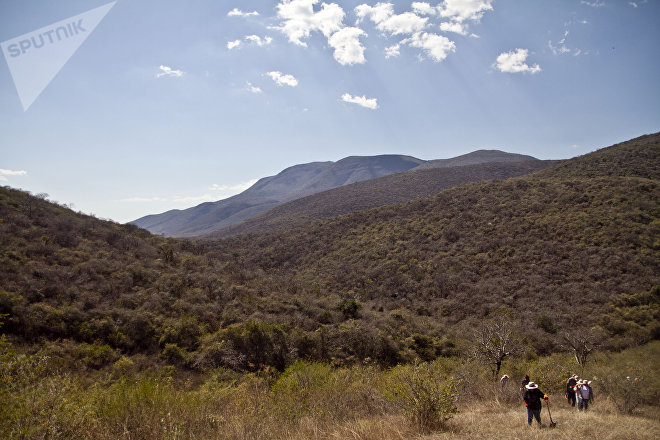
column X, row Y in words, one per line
column 586, row 392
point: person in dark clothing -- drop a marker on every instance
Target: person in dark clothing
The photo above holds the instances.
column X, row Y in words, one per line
column 532, row 399
column 570, row 389
column 524, row 383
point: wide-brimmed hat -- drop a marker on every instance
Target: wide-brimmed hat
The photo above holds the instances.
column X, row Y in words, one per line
column 531, row 386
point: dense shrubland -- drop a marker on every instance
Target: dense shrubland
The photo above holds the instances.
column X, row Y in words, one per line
column 104, row 320
column 44, row 399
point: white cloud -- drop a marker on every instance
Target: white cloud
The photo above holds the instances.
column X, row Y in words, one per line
column 377, row 14
column 458, row 28
column 423, row 8
column 406, row 23
column 238, row 13
column 514, row 62
column 168, row 71
column 240, row 187
column 251, row 39
column 370, row 103
column 233, row 44
column 393, row 51
column 300, row 20
column 252, row 89
column 283, row 80
column 436, row 46
column 462, row 10
column 346, row 43
column 593, row 4
column 387, row 21
column 217, row 192
column 559, row 48
column 255, row 39
column 5, row 173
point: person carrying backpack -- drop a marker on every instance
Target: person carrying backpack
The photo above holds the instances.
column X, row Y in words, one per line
column 570, row 389
column 532, row 399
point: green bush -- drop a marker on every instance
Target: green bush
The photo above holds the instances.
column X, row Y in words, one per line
column 96, row 355
column 424, row 395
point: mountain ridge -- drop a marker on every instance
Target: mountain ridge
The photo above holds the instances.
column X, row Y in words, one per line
column 292, row 183
column 393, row 188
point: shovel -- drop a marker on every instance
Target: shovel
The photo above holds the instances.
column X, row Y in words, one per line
column 552, row 424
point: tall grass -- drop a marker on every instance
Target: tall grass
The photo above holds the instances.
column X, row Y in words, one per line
column 306, row 401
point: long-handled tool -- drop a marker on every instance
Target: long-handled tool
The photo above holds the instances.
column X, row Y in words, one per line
column 552, row 424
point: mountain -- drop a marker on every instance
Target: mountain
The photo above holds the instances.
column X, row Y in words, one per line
column 294, row 182
column 393, row 188
column 547, row 246
column 573, row 247
column 475, row 158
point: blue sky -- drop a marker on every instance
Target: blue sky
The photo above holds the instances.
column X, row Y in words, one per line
column 169, row 103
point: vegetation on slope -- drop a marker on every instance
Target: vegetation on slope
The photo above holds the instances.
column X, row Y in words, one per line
column 109, row 331
column 396, row 188
column 392, row 284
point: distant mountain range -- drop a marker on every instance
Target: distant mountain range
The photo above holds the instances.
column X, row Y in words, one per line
column 312, row 178
column 386, row 190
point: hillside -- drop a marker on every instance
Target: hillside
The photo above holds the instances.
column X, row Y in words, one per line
column 294, row 182
column 394, row 188
column 635, row 158
column 391, row 284
column 538, row 246
column 475, row 158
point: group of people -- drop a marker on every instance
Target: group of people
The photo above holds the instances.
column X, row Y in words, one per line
column 577, row 392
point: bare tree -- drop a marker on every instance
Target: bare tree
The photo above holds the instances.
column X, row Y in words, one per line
column 495, row 340
column 582, row 342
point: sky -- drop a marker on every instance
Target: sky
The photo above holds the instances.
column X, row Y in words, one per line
column 167, row 104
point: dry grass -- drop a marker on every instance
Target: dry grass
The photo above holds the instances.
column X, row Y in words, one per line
column 310, row 401
column 511, row 423
column 490, row 422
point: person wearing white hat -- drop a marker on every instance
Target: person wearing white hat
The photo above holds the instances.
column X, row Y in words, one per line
column 578, row 394
column 532, row 399
column 587, row 394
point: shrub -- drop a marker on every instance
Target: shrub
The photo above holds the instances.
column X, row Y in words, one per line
column 350, row 308
column 626, row 392
column 174, row 354
column 96, row 355
column 424, row 396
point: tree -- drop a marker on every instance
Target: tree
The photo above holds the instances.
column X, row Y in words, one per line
column 495, row 340
column 582, row 342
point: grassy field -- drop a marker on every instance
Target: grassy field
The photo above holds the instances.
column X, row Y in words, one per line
column 488, row 422
column 43, row 399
